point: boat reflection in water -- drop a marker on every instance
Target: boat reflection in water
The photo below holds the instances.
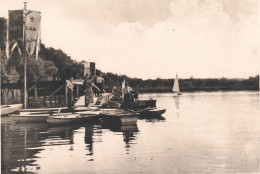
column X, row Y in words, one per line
column 25, row 144
column 22, row 142
column 19, row 145
column 152, row 118
column 61, row 135
column 129, row 130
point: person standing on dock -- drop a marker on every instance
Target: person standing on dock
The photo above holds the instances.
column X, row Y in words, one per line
column 70, row 86
column 100, row 83
column 127, row 96
column 88, row 83
column 94, row 89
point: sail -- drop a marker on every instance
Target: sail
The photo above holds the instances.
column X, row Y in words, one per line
column 176, row 85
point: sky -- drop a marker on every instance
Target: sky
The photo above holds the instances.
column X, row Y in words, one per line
column 154, row 38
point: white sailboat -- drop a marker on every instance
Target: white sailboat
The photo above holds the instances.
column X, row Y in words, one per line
column 176, row 87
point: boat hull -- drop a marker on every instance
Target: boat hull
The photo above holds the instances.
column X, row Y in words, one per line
column 86, row 113
column 65, row 119
column 153, row 112
column 29, row 118
column 125, row 117
column 8, row 109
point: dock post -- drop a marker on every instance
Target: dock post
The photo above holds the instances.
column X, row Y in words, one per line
column 66, row 95
column 35, row 94
column 44, row 102
column 59, row 99
column 55, row 98
column 77, row 91
column 51, row 101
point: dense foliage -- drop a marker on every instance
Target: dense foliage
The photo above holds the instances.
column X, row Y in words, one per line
column 8, row 74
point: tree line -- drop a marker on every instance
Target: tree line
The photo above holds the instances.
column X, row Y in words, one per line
column 55, row 65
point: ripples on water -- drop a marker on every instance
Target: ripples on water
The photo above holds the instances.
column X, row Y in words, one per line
column 199, row 133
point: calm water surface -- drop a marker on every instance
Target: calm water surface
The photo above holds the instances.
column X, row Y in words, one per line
column 199, row 133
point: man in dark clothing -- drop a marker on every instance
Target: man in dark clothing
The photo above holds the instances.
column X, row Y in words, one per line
column 127, row 96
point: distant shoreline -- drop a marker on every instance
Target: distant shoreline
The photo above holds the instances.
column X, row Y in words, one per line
column 193, row 90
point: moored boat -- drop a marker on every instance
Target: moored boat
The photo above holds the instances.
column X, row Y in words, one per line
column 125, row 117
column 153, row 111
column 27, row 118
column 83, row 108
column 65, row 118
column 8, row 109
column 41, row 109
column 86, row 113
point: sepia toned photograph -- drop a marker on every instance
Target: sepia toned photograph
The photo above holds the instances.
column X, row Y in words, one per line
column 130, row 86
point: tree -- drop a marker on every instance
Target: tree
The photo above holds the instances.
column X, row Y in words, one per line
column 3, row 22
column 59, row 59
column 8, row 74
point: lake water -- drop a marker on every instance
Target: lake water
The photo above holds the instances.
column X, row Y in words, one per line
column 214, row 132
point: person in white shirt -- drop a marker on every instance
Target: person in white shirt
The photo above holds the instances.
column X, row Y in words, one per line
column 100, row 82
column 127, row 96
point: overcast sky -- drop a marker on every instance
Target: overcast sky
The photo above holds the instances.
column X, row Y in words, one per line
column 154, row 38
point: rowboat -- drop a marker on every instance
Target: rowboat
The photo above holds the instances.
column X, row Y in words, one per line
column 125, row 117
column 41, row 109
column 7, row 109
column 153, row 111
column 34, row 113
column 26, row 118
column 65, row 118
column 88, row 113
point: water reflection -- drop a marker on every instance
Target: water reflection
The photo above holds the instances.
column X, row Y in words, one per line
column 19, row 145
column 177, row 102
column 21, row 142
column 129, row 130
column 213, row 134
column 152, row 118
column 89, row 138
column 60, row 135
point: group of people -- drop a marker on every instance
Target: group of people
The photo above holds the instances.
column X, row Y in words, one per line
column 94, row 86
